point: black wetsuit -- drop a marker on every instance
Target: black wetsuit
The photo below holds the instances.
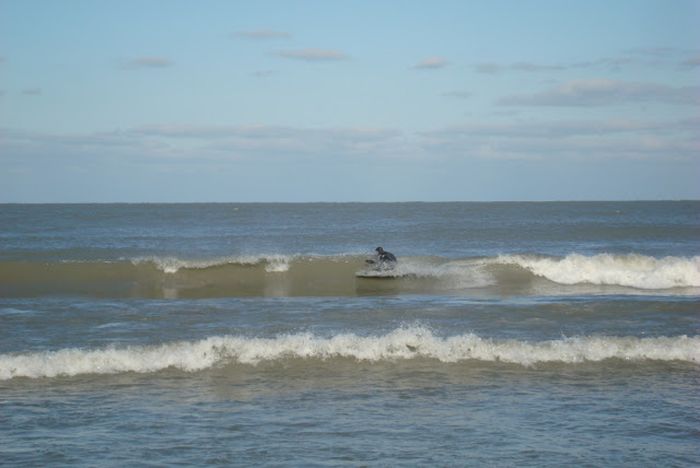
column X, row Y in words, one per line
column 385, row 260
column 387, row 257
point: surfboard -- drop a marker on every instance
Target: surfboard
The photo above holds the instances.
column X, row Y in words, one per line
column 383, row 273
column 375, row 276
column 378, row 270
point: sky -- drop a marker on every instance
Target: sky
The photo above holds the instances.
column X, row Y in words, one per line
column 302, row 101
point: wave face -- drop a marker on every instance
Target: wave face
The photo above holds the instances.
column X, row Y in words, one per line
column 348, row 275
column 404, row 343
column 273, row 263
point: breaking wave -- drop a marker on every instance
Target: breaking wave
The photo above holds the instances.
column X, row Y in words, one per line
column 348, row 275
column 405, row 343
column 635, row 271
column 631, row 270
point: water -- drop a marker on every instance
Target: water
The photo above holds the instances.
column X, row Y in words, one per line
column 508, row 334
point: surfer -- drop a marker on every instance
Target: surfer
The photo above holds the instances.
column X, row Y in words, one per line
column 384, row 260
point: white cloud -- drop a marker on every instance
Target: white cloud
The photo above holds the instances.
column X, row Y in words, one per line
column 566, row 128
column 582, row 140
column 313, row 55
column 517, row 140
column 431, row 63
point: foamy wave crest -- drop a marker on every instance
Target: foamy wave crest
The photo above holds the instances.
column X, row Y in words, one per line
column 636, row 271
column 273, row 263
column 455, row 274
column 401, row 344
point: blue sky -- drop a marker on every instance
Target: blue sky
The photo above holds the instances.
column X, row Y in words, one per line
column 348, row 101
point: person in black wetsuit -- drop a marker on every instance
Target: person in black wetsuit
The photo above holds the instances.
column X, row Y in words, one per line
column 384, row 260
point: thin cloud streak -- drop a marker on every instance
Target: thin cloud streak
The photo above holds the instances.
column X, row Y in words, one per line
column 491, row 68
column 605, row 92
column 313, row 55
column 691, row 63
column 264, row 73
column 533, row 140
column 643, row 57
column 147, row 62
column 431, row 63
column 578, row 140
column 262, row 34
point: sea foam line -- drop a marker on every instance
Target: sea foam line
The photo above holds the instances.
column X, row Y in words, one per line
column 401, row 344
column 274, row 263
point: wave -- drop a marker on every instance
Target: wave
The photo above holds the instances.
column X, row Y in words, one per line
column 632, row 270
column 273, row 263
column 348, row 275
column 405, row 343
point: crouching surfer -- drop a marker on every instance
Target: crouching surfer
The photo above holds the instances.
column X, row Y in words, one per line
column 383, row 260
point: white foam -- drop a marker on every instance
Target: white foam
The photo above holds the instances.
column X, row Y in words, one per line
column 401, row 344
column 458, row 274
column 275, row 263
column 633, row 270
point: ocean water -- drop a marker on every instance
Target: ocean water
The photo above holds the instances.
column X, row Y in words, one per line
column 509, row 334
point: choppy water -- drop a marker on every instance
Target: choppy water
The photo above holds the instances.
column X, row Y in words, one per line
column 508, row 334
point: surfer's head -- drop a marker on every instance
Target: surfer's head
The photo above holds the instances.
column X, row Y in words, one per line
column 379, row 249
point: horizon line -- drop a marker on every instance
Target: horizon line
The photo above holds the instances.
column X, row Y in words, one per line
column 641, row 200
